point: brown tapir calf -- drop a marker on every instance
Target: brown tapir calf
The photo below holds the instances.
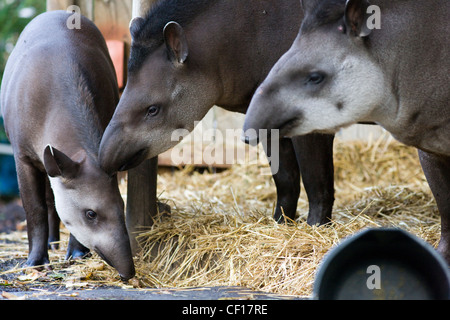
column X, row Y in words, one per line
column 188, row 55
column 345, row 67
column 58, row 93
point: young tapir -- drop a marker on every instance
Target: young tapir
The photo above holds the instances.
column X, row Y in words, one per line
column 341, row 70
column 188, row 55
column 58, row 93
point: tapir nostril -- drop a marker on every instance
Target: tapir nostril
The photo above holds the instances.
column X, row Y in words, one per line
column 126, row 277
column 250, row 138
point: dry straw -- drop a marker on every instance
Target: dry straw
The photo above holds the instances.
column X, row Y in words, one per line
column 220, row 231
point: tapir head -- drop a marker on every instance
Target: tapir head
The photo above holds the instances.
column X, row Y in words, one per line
column 167, row 91
column 327, row 80
column 88, row 202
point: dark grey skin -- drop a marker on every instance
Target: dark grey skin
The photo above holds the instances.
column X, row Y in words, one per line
column 338, row 72
column 59, row 92
column 188, row 56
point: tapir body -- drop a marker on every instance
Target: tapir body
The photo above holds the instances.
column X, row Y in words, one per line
column 346, row 67
column 187, row 56
column 58, row 94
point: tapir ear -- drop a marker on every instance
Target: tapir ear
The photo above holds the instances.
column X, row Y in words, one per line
column 356, row 17
column 57, row 164
column 176, row 43
column 135, row 25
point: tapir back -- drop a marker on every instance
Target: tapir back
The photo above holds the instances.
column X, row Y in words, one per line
column 62, row 63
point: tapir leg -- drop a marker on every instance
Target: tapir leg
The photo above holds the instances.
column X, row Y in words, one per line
column 32, row 191
column 437, row 172
column 75, row 249
column 53, row 218
column 315, row 158
column 287, row 180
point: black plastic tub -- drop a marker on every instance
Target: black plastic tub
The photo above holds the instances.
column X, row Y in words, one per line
column 382, row 264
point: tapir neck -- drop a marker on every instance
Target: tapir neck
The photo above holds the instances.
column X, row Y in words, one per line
column 256, row 45
column 402, row 58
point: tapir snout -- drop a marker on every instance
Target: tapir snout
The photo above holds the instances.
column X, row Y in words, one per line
column 266, row 112
column 118, row 151
column 118, row 255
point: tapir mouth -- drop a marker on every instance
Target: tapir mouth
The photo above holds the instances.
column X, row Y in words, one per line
column 123, row 277
column 285, row 129
column 287, row 126
column 135, row 160
column 103, row 257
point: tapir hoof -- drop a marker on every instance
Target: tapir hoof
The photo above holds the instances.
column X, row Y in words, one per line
column 53, row 243
column 282, row 218
column 76, row 250
column 39, row 262
column 77, row 254
column 318, row 221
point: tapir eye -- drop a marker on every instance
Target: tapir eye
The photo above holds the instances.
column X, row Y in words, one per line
column 152, row 111
column 91, row 215
column 315, row 78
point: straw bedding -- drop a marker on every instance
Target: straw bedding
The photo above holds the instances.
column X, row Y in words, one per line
column 220, row 231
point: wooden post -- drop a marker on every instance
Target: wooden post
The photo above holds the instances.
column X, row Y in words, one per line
column 141, row 189
column 141, row 199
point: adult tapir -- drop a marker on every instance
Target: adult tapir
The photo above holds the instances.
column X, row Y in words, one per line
column 59, row 92
column 341, row 70
column 188, row 55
